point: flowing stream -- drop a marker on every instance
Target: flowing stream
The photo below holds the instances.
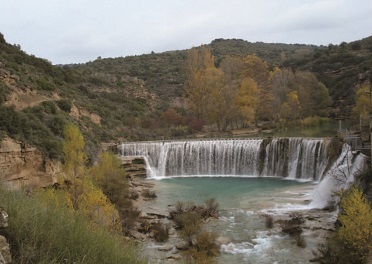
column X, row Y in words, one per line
column 250, row 178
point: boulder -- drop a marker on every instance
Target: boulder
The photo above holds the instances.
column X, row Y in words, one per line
column 5, row 256
column 3, row 218
column 137, row 235
column 166, row 247
column 182, row 245
column 222, row 241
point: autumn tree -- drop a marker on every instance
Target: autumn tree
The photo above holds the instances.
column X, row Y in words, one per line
column 313, row 95
column 290, row 109
column 196, row 91
column 247, row 99
column 91, row 202
column 363, row 102
column 258, row 70
column 171, row 118
column 355, row 218
column 279, row 88
column 218, row 103
column 109, row 176
column 73, row 150
column 232, row 68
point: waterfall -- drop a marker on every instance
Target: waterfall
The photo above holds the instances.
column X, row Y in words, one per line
column 340, row 175
column 294, row 158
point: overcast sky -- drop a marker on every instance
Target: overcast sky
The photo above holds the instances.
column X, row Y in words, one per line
column 73, row 31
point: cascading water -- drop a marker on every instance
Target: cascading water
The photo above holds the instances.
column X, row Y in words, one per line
column 296, row 158
column 244, row 199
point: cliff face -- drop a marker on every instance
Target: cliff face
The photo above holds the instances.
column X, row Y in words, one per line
column 25, row 166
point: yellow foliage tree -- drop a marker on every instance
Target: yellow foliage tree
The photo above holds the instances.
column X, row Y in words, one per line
column 291, row 108
column 83, row 197
column 196, row 90
column 356, row 223
column 247, row 99
column 363, row 102
column 74, row 152
column 111, row 178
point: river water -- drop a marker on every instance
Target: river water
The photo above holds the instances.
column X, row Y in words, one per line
column 243, row 201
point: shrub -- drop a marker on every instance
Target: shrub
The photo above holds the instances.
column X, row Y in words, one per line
column 147, row 193
column 44, row 84
column 356, row 223
column 212, row 206
column 293, row 225
column 189, row 222
column 161, row 232
column 313, row 121
column 65, row 105
column 269, row 221
column 205, row 242
column 42, row 232
column 300, row 240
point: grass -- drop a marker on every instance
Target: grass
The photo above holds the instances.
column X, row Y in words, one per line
column 42, row 232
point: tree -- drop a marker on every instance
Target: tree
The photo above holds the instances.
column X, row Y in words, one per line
column 356, row 223
column 291, row 108
column 258, row 70
column 247, row 99
column 108, row 175
column 363, row 102
column 232, row 68
column 2, row 39
column 74, row 152
column 313, row 95
column 171, row 118
column 278, row 88
column 216, row 104
column 196, row 92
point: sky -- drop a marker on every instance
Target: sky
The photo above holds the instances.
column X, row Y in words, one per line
column 78, row 31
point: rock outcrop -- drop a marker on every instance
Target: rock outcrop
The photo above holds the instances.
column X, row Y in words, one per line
column 21, row 165
column 5, row 256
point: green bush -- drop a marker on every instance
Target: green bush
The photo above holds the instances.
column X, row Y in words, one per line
column 65, row 105
column 314, row 121
column 44, row 84
column 49, row 233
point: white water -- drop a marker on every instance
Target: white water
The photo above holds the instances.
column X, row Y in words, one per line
column 294, row 158
column 245, row 190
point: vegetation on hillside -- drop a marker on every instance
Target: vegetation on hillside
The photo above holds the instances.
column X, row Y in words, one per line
column 140, row 97
column 242, row 90
column 78, row 220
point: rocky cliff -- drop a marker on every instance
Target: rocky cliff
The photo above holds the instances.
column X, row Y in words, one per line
column 21, row 165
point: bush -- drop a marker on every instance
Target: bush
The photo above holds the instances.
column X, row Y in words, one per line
column 161, row 232
column 212, row 206
column 293, row 225
column 42, row 232
column 205, row 242
column 147, row 193
column 65, row 105
column 356, row 223
column 269, row 221
column 314, row 121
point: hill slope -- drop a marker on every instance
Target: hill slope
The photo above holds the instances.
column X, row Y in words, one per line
column 113, row 99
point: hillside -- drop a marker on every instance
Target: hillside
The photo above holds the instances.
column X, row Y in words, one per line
column 340, row 68
column 127, row 98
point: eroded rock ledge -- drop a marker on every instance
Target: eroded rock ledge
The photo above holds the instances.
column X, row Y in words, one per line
column 21, row 165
